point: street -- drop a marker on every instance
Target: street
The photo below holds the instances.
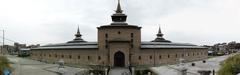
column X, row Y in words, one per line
column 211, row 64
column 23, row 66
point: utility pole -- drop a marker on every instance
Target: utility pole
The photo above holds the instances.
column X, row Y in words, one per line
column 2, row 41
column 3, row 38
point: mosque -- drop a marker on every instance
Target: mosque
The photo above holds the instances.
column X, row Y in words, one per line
column 119, row 45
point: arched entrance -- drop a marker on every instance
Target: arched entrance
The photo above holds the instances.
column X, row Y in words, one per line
column 119, row 59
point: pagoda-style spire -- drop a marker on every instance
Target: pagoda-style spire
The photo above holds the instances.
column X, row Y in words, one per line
column 78, row 37
column 159, row 34
column 78, row 33
column 119, row 10
column 160, row 37
column 118, row 17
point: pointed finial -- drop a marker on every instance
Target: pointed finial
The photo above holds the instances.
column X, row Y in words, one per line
column 78, row 33
column 159, row 34
column 78, row 30
column 119, row 10
column 78, row 37
column 159, row 30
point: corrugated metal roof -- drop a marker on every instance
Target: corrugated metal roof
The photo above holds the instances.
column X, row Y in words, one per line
column 168, row 46
column 71, row 44
column 67, row 47
column 167, row 43
column 91, row 45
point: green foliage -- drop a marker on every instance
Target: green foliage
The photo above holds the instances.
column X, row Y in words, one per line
column 4, row 63
column 230, row 66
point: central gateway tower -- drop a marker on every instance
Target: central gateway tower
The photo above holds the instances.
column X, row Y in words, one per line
column 119, row 40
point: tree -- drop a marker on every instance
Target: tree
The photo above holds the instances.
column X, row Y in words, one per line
column 230, row 66
column 4, row 63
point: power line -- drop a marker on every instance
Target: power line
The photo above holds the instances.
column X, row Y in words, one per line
column 7, row 39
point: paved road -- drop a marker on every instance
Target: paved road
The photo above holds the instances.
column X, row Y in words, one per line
column 29, row 67
column 24, row 66
column 211, row 64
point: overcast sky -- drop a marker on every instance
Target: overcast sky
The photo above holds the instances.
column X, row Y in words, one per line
column 186, row 21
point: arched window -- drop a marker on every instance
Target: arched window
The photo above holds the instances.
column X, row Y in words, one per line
column 131, row 35
column 168, row 56
column 160, row 57
column 70, row 56
column 139, row 57
column 150, row 57
column 99, row 57
column 62, row 56
column 106, row 35
column 79, row 57
column 88, row 57
column 119, row 32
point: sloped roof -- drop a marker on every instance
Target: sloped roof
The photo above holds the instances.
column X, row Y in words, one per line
column 146, row 45
column 94, row 45
column 81, row 45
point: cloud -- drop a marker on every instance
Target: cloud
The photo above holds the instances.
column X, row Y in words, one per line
column 203, row 23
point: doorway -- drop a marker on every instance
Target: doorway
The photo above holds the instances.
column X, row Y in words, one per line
column 119, row 59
